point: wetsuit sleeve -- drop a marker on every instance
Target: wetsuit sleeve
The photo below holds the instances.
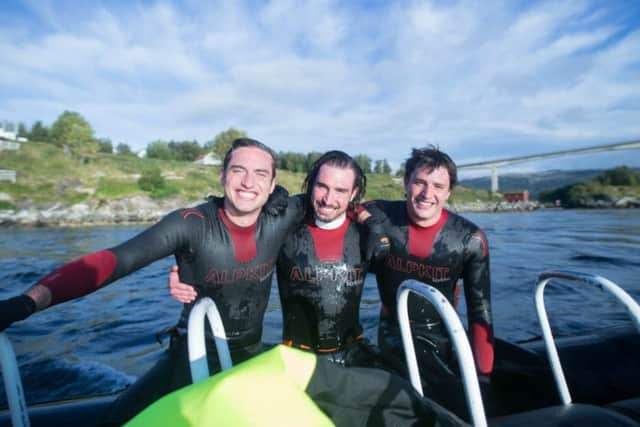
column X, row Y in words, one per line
column 477, row 288
column 375, row 210
column 277, row 202
column 379, row 224
column 378, row 244
column 296, row 210
column 15, row 309
column 90, row 272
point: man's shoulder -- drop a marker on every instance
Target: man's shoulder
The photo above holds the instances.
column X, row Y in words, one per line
column 200, row 211
column 212, row 204
column 472, row 234
column 388, row 207
column 288, row 216
column 385, row 204
column 461, row 220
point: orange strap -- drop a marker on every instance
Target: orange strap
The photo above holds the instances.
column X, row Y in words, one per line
column 290, row 343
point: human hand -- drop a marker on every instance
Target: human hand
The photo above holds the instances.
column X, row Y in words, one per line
column 363, row 215
column 181, row 292
column 378, row 244
column 356, row 212
column 277, row 202
column 15, row 309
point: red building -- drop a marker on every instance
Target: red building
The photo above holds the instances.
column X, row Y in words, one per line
column 516, row 196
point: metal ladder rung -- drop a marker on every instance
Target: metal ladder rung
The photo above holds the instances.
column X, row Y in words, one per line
column 586, row 278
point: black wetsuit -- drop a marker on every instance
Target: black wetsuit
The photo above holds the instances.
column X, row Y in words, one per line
column 230, row 264
column 440, row 255
column 320, row 278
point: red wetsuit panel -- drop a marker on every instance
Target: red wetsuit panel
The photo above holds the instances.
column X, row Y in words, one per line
column 244, row 238
column 421, row 238
column 482, row 341
column 480, row 236
column 329, row 244
column 80, row 276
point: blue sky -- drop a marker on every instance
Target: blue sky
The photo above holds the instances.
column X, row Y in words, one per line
column 482, row 80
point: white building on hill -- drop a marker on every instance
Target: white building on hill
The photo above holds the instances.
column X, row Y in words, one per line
column 208, row 159
column 5, row 134
column 11, row 136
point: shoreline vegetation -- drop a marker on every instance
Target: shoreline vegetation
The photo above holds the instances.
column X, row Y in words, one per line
column 58, row 187
column 142, row 209
column 145, row 210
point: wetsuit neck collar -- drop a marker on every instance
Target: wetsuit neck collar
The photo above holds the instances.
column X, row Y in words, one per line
column 331, row 225
column 232, row 225
column 444, row 214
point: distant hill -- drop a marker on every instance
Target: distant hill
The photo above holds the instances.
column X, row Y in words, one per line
column 534, row 182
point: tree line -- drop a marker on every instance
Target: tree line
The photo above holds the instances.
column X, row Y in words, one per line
column 600, row 188
column 72, row 131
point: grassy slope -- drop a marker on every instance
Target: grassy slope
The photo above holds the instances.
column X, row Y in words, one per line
column 47, row 174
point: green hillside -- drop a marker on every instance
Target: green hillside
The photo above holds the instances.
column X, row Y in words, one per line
column 48, row 174
column 610, row 186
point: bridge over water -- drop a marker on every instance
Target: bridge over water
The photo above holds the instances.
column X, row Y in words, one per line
column 494, row 164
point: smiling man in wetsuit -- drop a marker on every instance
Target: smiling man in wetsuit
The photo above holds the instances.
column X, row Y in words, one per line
column 322, row 266
column 225, row 247
column 435, row 246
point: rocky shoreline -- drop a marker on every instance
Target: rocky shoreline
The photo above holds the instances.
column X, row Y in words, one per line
column 131, row 210
column 142, row 209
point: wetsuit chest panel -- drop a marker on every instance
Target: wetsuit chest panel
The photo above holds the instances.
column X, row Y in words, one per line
column 441, row 268
column 321, row 299
column 328, row 244
column 421, row 238
column 244, row 239
column 459, row 251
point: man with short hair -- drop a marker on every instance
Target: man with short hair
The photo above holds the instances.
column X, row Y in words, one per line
column 225, row 247
column 433, row 245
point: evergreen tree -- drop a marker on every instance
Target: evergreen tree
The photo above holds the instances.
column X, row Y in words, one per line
column 186, row 150
column 22, row 131
column 105, row 145
column 39, row 132
column 123, row 149
column 159, row 150
column 364, row 161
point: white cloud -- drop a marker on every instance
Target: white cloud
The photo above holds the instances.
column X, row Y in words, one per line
column 480, row 80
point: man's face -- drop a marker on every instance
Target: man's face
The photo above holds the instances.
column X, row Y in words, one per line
column 247, row 181
column 427, row 193
column 333, row 189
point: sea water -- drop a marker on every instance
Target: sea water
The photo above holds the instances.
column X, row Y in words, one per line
column 104, row 341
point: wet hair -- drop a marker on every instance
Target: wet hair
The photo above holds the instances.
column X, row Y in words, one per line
column 341, row 160
column 248, row 142
column 430, row 158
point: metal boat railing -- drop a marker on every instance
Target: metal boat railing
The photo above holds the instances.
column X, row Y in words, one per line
column 13, row 384
column 458, row 337
column 196, row 347
column 196, row 339
column 585, row 278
